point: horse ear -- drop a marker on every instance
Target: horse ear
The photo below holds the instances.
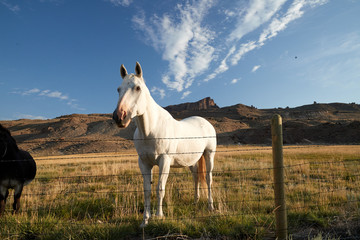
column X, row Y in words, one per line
column 123, row 71
column 138, row 70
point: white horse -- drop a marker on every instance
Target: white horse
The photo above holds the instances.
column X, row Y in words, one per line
column 161, row 140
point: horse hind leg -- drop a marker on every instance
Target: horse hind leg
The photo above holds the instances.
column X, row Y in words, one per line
column 209, row 160
column 17, row 194
column 194, row 171
column 2, row 205
column 4, row 192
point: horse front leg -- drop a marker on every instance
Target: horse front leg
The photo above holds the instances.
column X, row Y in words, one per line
column 147, row 177
column 164, row 169
column 17, row 194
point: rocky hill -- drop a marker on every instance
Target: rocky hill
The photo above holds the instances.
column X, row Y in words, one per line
column 203, row 104
column 334, row 123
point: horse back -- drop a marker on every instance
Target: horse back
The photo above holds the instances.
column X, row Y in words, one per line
column 198, row 127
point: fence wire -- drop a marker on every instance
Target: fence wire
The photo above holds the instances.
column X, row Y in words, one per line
column 328, row 187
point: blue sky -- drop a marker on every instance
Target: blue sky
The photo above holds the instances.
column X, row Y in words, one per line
column 60, row 57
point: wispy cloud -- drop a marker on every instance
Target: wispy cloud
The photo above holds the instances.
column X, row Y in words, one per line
column 255, row 68
column 54, row 94
column 158, row 91
column 46, row 93
column 235, row 80
column 190, row 46
column 12, row 7
column 243, row 49
column 223, row 67
column 262, row 12
column 183, row 41
column 29, row 92
column 73, row 103
column 28, row 116
column 278, row 24
column 257, row 13
column 50, row 94
column 185, row 94
column 118, row 3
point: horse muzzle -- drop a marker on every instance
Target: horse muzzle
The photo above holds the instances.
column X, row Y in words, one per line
column 122, row 120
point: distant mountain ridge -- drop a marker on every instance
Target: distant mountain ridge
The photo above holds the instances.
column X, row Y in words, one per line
column 333, row 123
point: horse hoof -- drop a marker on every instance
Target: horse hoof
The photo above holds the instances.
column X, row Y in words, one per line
column 144, row 223
column 211, row 208
column 159, row 217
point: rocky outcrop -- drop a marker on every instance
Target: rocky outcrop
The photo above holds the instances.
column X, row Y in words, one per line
column 203, row 104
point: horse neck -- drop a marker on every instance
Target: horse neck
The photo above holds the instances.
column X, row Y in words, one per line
column 147, row 123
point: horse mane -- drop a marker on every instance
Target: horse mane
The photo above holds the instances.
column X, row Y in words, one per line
column 5, row 135
column 5, row 130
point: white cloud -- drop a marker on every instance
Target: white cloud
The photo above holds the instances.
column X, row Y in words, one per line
column 44, row 92
column 315, row 3
column 28, row 116
column 244, row 48
column 183, row 41
column 73, row 104
column 31, row 91
column 57, row 94
column 50, row 94
column 277, row 24
column 185, row 94
column 229, row 13
column 223, row 67
column 295, row 11
column 235, row 80
column 158, row 91
column 11, row 7
column 123, row 3
column 53, row 94
column 257, row 13
column 255, row 68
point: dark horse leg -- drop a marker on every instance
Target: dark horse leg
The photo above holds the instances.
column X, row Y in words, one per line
column 2, row 205
column 3, row 199
column 17, row 194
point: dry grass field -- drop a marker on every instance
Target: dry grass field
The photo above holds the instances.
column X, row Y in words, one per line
column 100, row 196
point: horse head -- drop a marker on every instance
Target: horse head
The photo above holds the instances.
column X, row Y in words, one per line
column 132, row 97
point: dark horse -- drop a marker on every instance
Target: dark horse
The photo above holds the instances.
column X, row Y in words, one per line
column 17, row 169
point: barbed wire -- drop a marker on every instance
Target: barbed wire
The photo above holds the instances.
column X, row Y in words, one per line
column 122, row 155
column 82, row 139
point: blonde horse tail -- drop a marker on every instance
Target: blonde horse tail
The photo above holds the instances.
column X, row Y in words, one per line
column 202, row 171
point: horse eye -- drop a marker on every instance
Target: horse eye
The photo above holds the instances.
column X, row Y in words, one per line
column 137, row 88
column 118, row 90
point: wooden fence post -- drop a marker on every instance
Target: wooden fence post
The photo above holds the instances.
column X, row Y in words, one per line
column 279, row 185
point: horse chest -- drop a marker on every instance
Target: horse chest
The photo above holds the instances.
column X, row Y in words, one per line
column 150, row 150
